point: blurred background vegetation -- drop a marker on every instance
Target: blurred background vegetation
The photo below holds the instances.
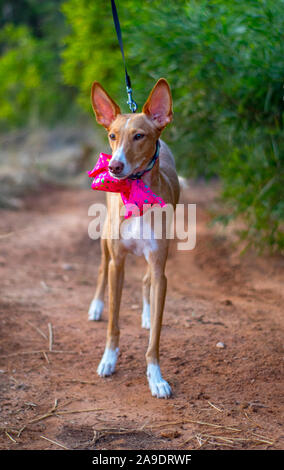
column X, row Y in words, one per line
column 224, row 60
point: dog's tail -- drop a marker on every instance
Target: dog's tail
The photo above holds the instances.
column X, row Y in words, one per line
column 183, row 182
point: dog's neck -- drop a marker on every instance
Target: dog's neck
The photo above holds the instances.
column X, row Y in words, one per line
column 151, row 178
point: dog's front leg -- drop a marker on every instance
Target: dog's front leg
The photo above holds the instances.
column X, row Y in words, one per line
column 158, row 386
column 97, row 304
column 115, row 281
column 146, row 299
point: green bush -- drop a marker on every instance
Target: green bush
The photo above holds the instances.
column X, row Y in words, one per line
column 20, row 76
column 253, row 190
column 32, row 91
column 91, row 51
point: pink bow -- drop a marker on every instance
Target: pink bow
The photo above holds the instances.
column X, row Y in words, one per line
column 136, row 195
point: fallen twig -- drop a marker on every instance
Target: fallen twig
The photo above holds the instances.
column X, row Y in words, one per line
column 5, row 235
column 228, row 440
column 213, row 425
column 39, row 418
column 160, row 425
column 78, row 411
column 199, row 440
column 251, row 420
column 214, row 406
column 15, row 232
column 54, row 442
column 10, row 437
column 87, row 382
column 100, row 433
column 220, row 444
column 45, row 286
column 46, row 357
column 23, row 353
column 222, row 438
column 50, row 336
column 185, row 421
column 37, row 329
column 54, row 412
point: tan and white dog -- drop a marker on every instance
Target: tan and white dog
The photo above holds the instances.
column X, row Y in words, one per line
column 133, row 139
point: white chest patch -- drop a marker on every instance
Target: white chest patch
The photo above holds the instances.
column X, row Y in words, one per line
column 138, row 237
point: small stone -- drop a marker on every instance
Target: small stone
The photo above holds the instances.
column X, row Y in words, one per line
column 170, row 434
column 45, row 286
column 67, row 267
column 220, row 345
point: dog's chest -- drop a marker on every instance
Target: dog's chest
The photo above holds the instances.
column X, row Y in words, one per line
column 138, row 237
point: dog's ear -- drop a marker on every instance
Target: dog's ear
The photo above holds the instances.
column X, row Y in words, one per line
column 104, row 107
column 158, row 106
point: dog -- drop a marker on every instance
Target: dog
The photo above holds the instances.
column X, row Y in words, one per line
column 133, row 140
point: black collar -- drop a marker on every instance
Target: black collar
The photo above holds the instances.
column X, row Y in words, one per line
column 137, row 176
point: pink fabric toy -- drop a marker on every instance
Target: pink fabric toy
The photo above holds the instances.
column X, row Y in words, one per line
column 136, row 195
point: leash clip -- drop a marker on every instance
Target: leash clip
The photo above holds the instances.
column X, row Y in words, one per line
column 131, row 103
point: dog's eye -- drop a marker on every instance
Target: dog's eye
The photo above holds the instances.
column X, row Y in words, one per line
column 138, row 136
column 112, row 136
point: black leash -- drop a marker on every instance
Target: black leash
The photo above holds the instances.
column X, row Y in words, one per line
column 131, row 103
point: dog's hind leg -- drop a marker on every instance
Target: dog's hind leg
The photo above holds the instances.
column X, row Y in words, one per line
column 115, row 277
column 158, row 386
column 145, row 321
column 97, row 304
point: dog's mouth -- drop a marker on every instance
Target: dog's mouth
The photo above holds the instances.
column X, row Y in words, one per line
column 118, row 177
column 122, row 176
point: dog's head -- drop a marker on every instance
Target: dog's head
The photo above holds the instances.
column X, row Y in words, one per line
column 133, row 137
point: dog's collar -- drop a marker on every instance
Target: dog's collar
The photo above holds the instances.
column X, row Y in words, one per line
column 137, row 176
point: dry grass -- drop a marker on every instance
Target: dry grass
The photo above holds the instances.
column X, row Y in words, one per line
column 218, row 434
column 203, row 432
column 54, row 411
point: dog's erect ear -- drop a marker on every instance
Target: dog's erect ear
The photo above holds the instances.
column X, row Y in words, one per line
column 104, row 107
column 158, row 106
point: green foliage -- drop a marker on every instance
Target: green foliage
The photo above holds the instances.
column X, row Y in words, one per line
column 224, row 61
column 91, row 50
column 19, row 73
column 253, row 189
column 31, row 86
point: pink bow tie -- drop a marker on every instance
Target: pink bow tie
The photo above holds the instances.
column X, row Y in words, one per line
column 133, row 192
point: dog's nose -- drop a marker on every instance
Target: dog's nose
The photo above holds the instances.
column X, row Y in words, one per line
column 116, row 167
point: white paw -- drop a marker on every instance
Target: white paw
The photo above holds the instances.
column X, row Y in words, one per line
column 146, row 323
column 158, row 386
column 108, row 362
column 96, row 310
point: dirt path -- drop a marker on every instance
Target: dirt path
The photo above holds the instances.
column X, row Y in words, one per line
column 223, row 397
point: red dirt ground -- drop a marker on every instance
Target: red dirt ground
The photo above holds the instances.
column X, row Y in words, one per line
column 224, row 398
